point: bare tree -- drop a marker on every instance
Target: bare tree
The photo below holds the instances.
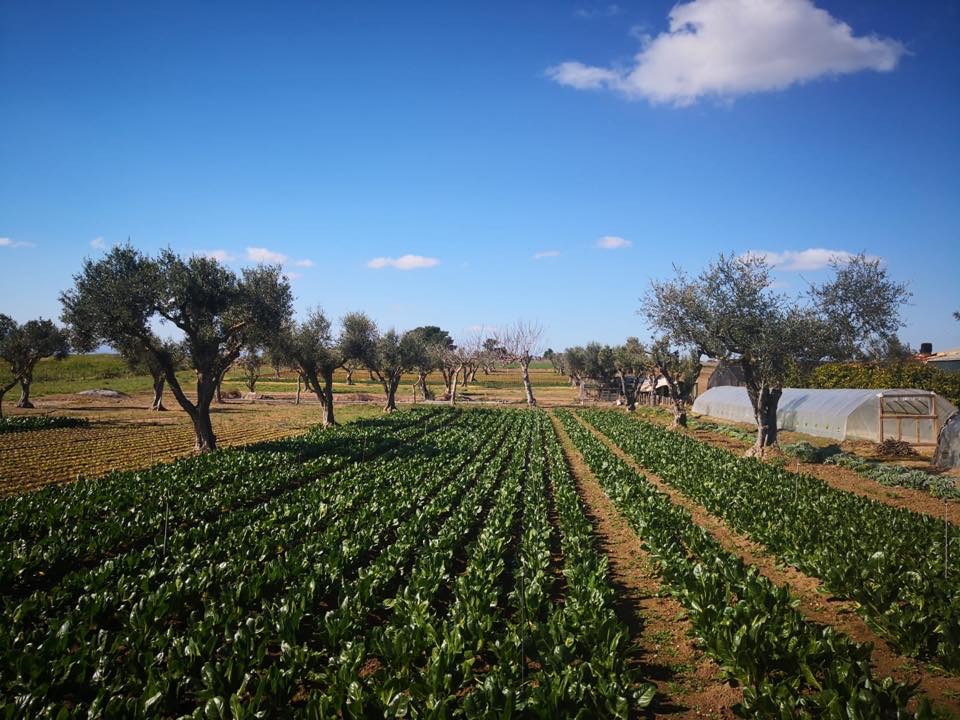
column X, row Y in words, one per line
column 521, row 343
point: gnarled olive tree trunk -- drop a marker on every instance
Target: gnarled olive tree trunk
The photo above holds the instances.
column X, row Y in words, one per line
column 199, row 413
column 327, row 402
column 422, row 384
column 390, row 386
column 24, row 401
column 159, row 382
column 527, row 387
column 765, row 401
column 3, row 391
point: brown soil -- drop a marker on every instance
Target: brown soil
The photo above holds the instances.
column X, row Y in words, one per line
column 816, row 603
column 838, row 477
column 689, row 684
column 124, row 435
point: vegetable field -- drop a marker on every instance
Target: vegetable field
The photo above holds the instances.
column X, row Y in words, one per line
column 442, row 563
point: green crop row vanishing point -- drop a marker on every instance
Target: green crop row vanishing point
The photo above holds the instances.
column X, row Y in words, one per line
column 891, row 561
column 789, row 667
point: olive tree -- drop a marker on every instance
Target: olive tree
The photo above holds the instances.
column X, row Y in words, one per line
column 311, row 348
column 141, row 360
column 250, row 363
column 116, row 298
column 22, row 347
column 631, row 360
column 679, row 371
column 436, row 342
column 731, row 311
column 387, row 356
column 456, row 358
column 521, row 344
column 575, row 363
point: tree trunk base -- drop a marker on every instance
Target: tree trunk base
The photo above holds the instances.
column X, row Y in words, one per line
column 761, row 453
column 25, row 404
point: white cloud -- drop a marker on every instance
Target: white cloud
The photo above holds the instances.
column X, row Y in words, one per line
column 218, row 255
column 612, row 242
column 7, row 242
column 728, row 48
column 404, row 262
column 291, row 276
column 304, row 263
column 800, row 260
column 546, row 254
column 98, row 242
column 262, row 255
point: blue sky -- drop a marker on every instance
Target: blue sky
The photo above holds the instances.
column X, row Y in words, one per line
column 477, row 137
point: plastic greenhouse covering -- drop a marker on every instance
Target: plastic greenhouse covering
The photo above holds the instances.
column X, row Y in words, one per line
column 912, row 415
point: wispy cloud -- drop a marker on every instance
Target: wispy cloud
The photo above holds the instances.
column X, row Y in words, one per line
column 305, row 263
column 404, row 262
column 546, row 254
column 613, row 242
column 262, row 255
column 728, row 48
column 291, row 276
column 98, row 243
column 800, row 260
column 218, row 255
column 7, row 242
column 605, row 11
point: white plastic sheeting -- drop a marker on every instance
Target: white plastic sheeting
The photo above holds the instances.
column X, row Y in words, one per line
column 836, row 414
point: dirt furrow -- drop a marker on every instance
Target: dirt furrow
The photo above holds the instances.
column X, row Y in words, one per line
column 689, row 684
column 815, row 602
column 837, row 477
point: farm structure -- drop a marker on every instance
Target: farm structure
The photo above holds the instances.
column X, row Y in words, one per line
column 915, row 416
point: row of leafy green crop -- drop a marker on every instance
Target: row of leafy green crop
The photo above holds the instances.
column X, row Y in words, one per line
column 227, row 621
column 890, row 560
column 498, row 643
column 788, row 666
column 894, row 475
column 22, row 423
column 48, row 532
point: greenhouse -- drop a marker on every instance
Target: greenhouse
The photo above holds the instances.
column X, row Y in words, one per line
column 912, row 415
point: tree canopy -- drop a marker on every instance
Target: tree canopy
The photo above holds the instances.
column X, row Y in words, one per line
column 119, row 297
column 731, row 311
column 22, row 347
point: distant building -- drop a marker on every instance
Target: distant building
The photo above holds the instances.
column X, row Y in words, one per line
column 946, row 360
column 718, row 373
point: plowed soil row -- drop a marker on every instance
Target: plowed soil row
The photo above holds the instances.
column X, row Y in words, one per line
column 689, row 684
column 816, row 603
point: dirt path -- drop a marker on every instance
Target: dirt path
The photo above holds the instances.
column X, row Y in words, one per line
column 835, row 476
column 689, row 684
column 816, row 603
